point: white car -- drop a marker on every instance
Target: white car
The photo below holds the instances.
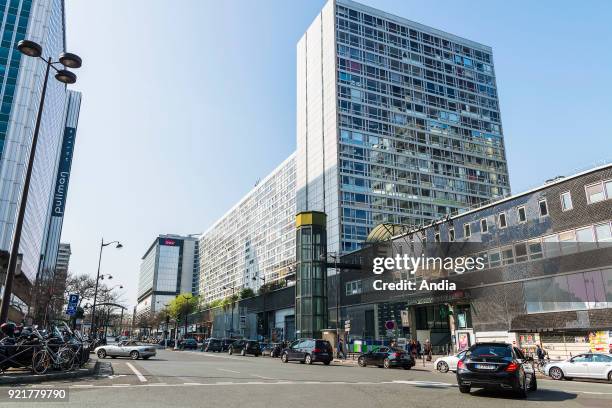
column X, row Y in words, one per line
column 588, row 365
column 131, row 349
column 448, row 363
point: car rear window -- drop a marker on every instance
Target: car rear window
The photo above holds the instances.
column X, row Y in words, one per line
column 490, row 351
column 323, row 344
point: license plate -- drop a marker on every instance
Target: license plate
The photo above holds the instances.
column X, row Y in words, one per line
column 485, row 367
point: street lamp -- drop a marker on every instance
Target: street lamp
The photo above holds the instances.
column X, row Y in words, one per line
column 68, row 60
column 265, row 313
column 233, row 288
column 335, row 257
column 98, row 277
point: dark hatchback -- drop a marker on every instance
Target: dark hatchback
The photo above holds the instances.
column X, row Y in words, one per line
column 496, row 365
column 244, row 347
column 387, row 357
column 308, row 351
column 212, row 344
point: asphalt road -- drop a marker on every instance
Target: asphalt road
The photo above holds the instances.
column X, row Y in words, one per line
column 195, row 379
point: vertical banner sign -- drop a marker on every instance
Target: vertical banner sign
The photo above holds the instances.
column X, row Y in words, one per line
column 63, row 172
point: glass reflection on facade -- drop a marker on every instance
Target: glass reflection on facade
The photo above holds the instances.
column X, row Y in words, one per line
column 397, row 122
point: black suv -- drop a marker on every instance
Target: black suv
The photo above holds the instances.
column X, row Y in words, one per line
column 498, row 365
column 244, row 347
column 308, row 351
column 212, row 345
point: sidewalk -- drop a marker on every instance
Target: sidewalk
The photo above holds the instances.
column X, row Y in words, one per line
column 26, row 377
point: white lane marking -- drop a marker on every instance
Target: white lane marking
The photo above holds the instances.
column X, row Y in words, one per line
column 228, row 371
column 138, row 373
column 262, row 377
column 82, row 385
column 192, row 383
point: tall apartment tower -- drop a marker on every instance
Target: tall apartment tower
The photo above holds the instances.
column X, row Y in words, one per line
column 397, row 122
column 21, row 80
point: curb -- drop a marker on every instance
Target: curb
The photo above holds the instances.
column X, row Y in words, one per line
column 88, row 370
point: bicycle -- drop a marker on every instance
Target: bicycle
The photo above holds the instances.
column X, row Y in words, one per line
column 542, row 363
column 63, row 359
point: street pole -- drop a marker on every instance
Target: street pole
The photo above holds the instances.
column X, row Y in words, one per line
column 93, row 310
column 12, row 265
column 121, row 324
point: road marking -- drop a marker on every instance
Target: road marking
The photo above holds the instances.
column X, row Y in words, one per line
column 229, row 371
column 82, row 385
column 138, row 374
column 191, row 383
column 262, row 377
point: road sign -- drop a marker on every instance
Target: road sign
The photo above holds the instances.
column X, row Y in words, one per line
column 389, row 325
column 73, row 301
column 347, row 325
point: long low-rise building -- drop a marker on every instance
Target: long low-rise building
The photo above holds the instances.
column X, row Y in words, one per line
column 254, row 242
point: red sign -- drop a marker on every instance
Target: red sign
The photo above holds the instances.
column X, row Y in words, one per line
column 390, row 325
column 169, row 242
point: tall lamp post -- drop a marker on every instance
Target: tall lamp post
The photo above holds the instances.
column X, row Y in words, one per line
column 68, row 60
column 233, row 288
column 265, row 313
column 335, row 257
column 93, row 309
column 176, row 347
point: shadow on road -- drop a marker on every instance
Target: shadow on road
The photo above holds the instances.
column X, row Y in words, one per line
column 540, row 395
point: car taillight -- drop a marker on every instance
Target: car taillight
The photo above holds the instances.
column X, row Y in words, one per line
column 316, row 350
column 460, row 364
column 512, row 367
column 393, row 355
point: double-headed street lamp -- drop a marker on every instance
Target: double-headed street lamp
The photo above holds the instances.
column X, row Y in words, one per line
column 68, row 60
column 98, row 278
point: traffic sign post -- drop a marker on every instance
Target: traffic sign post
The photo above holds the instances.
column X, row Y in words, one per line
column 73, row 301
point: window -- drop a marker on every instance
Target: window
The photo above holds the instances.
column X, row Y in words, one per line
column 437, row 237
column 535, row 249
column 543, row 208
column 484, row 227
column 585, row 238
column 507, row 255
column 451, row 235
column 596, row 193
column 567, row 242
column 551, row 246
column 502, row 220
column 467, row 231
column 353, row 288
column 520, row 251
column 603, row 233
column 522, row 216
column 566, row 201
column 494, row 258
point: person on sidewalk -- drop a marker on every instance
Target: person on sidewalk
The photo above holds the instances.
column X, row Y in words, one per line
column 340, row 352
column 428, row 349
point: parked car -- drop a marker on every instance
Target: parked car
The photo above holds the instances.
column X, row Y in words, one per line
column 131, row 349
column 244, row 347
column 272, row 350
column 308, row 351
column 212, row 344
column 387, row 357
column 499, row 365
column 226, row 343
column 163, row 343
column 188, row 344
column 588, row 365
column 448, row 363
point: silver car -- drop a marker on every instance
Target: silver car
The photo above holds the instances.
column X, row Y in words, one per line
column 588, row 365
column 130, row 348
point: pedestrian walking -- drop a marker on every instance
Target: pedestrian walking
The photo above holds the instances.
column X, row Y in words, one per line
column 428, row 350
column 340, row 352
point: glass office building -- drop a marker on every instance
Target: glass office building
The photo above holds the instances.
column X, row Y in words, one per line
column 167, row 269
column 254, row 242
column 20, row 90
column 397, row 123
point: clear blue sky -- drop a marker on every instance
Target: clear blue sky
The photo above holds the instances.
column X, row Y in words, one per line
column 187, row 103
